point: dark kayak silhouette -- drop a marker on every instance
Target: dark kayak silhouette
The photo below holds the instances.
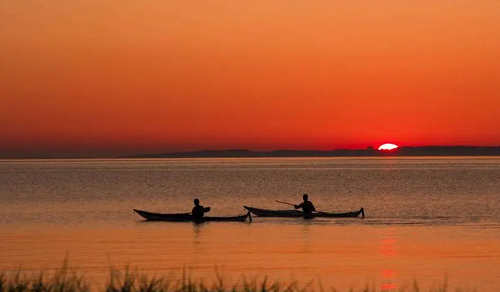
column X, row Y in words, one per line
column 186, row 217
column 295, row 213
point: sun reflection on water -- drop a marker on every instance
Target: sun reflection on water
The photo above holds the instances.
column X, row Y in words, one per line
column 388, row 250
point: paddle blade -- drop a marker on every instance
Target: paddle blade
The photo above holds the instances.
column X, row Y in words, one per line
column 286, row 203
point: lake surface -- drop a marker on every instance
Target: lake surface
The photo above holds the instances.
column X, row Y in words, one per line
column 427, row 219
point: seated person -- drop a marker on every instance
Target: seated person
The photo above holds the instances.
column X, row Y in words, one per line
column 199, row 211
column 307, row 206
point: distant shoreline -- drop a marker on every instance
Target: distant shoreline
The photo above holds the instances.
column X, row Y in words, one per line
column 369, row 152
column 419, row 151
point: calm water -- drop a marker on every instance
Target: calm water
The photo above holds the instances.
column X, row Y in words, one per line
column 427, row 219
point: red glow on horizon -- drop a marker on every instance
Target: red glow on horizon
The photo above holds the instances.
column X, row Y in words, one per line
column 274, row 80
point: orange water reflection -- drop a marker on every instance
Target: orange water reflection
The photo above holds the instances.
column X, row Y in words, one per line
column 343, row 257
column 388, row 249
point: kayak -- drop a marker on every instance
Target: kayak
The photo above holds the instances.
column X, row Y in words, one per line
column 186, row 217
column 295, row 213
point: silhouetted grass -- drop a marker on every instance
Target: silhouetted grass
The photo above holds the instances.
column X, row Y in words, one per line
column 128, row 281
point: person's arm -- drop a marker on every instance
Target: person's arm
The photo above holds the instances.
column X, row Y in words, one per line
column 207, row 209
column 298, row 206
column 312, row 207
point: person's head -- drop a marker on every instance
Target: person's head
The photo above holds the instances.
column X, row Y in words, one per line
column 196, row 202
column 305, row 197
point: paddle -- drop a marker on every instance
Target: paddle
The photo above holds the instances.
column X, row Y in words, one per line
column 284, row 203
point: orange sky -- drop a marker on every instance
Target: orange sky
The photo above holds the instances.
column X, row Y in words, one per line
column 93, row 78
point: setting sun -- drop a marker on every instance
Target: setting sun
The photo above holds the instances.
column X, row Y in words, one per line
column 387, row 147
